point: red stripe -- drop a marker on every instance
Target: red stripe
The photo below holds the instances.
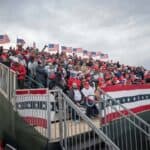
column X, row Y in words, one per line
column 116, row 115
column 35, row 91
column 21, row 92
column 125, row 87
column 38, row 91
column 35, row 121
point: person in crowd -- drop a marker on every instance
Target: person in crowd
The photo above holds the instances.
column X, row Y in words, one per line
column 50, row 70
column 73, row 79
column 147, row 76
column 89, row 96
column 20, row 71
column 1, row 54
column 41, row 75
column 32, row 66
column 64, row 70
column 76, row 96
column 22, row 60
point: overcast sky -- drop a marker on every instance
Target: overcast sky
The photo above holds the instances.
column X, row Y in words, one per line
column 120, row 28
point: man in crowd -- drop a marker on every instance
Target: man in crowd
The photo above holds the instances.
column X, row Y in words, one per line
column 20, row 71
column 89, row 96
column 76, row 96
column 32, row 65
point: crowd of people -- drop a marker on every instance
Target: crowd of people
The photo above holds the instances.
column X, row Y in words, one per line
column 78, row 77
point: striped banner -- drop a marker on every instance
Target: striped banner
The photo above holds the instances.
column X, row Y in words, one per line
column 32, row 106
column 134, row 97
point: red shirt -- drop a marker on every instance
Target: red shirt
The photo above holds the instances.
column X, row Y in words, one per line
column 20, row 70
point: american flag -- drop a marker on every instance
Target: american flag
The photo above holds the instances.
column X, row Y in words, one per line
column 66, row 49
column 78, row 50
column 85, row 52
column 53, row 47
column 20, row 41
column 93, row 53
column 4, row 39
column 103, row 56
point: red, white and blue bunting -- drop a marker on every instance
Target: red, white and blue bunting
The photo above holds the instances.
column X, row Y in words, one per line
column 134, row 97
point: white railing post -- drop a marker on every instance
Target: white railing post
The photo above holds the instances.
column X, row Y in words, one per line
column 49, row 117
column 60, row 101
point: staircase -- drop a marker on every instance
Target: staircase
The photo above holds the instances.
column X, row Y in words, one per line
column 84, row 134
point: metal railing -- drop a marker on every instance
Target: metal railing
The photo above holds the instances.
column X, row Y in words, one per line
column 9, row 147
column 30, row 83
column 77, row 131
column 127, row 130
column 7, row 81
column 61, row 120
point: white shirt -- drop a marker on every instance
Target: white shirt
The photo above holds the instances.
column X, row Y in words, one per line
column 77, row 95
column 88, row 92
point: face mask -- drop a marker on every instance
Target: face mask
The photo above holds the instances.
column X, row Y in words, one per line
column 75, row 88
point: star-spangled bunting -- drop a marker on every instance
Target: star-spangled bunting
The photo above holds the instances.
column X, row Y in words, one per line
column 129, row 99
column 34, row 105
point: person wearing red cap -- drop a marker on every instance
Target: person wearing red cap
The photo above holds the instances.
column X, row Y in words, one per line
column 20, row 71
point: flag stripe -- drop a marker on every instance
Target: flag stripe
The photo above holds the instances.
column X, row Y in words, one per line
column 130, row 105
column 35, row 121
column 34, row 91
column 126, row 87
column 119, row 94
column 116, row 115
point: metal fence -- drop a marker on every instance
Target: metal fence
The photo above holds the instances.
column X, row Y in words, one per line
column 7, row 81
column 57, row 120
column 122, row 126
column 9, row 147
column 61, row 120
column 77, row 131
